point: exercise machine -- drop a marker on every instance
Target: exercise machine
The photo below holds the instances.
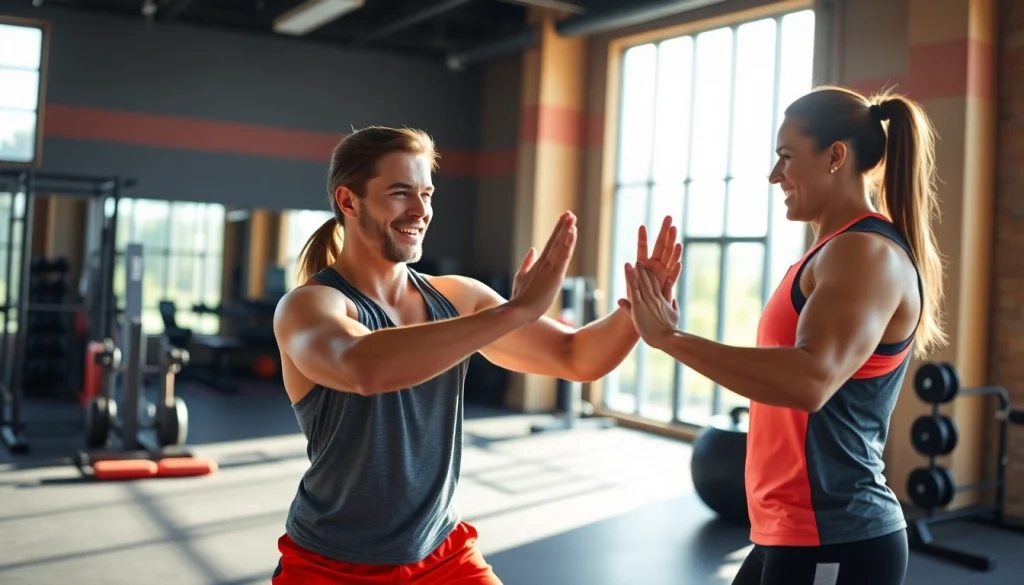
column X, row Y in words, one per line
column 933, row 487
column 114, row 431
column 17, row 305
column 579, row 302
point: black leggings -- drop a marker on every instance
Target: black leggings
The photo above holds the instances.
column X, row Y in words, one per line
column 878, row 561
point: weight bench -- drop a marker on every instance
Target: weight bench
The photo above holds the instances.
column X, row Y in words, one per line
column 221, row 349
column 176, row 335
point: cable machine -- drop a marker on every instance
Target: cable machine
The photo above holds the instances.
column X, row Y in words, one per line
column 97, row 303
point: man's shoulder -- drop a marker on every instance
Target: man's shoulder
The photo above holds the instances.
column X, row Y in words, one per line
column 450, row 280
column 467, row 294
column 311, row 296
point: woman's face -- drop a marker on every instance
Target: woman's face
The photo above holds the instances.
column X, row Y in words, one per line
column 804, row 173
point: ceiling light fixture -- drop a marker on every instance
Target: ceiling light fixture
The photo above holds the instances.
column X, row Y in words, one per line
column 313, row 14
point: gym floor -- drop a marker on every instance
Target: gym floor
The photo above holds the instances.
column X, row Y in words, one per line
column 601, row 507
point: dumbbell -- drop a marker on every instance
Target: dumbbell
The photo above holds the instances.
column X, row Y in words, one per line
column 934, row 435
column 173, row 360
column 110, row 356
column 934, row 487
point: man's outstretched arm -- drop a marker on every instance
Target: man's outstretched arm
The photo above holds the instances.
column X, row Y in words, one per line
column 548, row 347
column 332, row 349
column 336, row 351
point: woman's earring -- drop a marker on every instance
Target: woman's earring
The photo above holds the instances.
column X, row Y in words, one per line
column 833, row 170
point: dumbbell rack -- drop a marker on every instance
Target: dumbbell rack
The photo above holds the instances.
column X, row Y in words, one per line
column 921, row 537
column 45, row 371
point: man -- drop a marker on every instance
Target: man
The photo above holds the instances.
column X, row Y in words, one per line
column 374, row 359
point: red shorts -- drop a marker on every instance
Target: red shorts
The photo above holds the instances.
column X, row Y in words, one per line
column 456, row 561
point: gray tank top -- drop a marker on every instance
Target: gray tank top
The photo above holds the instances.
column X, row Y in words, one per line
column 384, row 468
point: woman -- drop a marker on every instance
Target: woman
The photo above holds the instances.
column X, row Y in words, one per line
column 834, row 341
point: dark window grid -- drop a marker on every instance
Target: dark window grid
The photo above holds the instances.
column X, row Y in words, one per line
column 203, row 255
column 723, row 241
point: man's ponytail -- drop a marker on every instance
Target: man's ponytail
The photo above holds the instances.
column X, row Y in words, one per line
column 320, row 251
column 908, row 197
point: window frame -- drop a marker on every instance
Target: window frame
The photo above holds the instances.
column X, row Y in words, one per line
column 44, row 61
column 286, row 260
column 613, row 185
column 165, row 251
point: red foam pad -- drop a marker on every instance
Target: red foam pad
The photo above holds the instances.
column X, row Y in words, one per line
column 185, row 466
column 124, row 469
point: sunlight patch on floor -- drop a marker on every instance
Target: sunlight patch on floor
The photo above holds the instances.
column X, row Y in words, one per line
column 531, row 487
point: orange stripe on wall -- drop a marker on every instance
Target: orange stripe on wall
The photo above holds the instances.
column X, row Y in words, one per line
column 204, row 135
column 961, row 67
column 551, row 124
column 497, row 163
column 981, row 72
column 180, row 132
column 457, row 163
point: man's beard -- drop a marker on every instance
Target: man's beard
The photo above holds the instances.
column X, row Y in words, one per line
column 389, row 248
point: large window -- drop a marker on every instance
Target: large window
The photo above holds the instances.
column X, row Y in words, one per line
column 21, row 66
column 10, row 203
column 697, row 129
column 183, row 257
column 299, row 224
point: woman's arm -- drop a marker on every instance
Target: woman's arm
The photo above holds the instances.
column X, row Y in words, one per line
column 858, row 284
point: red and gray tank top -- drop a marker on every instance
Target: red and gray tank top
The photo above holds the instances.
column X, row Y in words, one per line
column 816, row 478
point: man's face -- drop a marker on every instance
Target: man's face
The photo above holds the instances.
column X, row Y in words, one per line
column 396, row 210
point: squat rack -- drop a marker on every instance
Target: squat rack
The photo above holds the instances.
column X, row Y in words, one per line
column 97, row 276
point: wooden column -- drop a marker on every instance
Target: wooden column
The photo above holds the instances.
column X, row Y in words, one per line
column 263, row 243
column 548, row 179
column 952, row 74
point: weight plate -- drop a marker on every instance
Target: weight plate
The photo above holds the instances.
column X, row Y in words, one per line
column 936, row 383
column 925, row 488
column 99, row 417
column 922, row 489
column 934, row 435
column 931, row 487
column 949, row 482
column 172, row 424
column 952, row 432
column 954, row 377
column 927, row 436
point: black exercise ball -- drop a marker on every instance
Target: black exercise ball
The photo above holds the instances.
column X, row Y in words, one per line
column 717, row 466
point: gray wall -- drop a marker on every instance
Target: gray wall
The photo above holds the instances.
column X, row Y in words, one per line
column 499, row 132
column 123, row 64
